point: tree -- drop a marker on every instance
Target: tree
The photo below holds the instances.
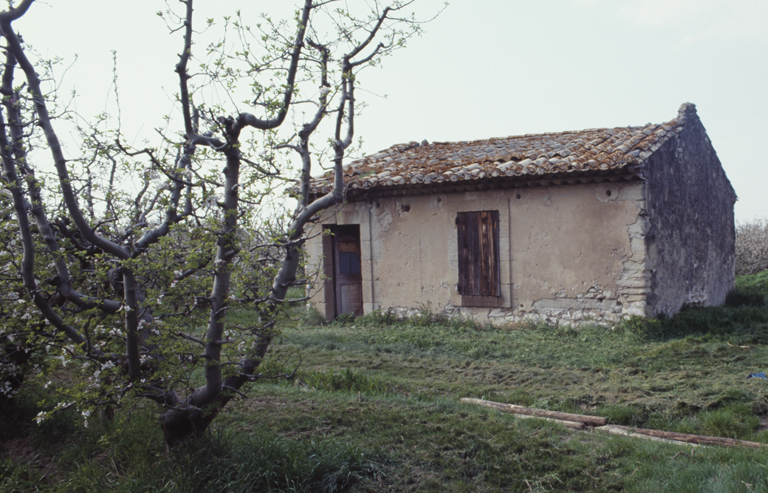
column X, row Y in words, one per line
column 123, row 282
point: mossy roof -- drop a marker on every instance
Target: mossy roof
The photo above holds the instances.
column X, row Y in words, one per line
column 525, row 156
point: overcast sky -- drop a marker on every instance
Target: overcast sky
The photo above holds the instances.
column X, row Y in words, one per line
column 484, row 68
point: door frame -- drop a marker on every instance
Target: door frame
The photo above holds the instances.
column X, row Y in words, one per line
column 338, row 238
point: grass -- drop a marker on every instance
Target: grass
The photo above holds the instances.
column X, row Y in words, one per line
column 375, row 407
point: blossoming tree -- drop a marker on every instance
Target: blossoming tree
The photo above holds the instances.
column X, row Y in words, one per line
column 136, row 290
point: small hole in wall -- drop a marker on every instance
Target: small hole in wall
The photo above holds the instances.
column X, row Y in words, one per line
column 378, row 205
column 406, row 208
column 518, row 196
column 608, row 193
column 439, row 199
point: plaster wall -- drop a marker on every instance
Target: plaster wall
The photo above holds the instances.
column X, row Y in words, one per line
column 578, row 253
column 567, row 253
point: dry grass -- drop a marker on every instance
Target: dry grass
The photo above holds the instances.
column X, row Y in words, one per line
column 752, row 247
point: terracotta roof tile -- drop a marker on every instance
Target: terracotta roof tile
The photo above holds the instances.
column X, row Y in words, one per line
column 526, row 155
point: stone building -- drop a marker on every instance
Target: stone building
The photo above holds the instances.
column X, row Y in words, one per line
column 565, row 227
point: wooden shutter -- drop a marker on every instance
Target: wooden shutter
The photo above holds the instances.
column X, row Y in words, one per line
column 478, row 235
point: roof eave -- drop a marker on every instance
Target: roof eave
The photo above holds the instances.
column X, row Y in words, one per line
column 633, row 172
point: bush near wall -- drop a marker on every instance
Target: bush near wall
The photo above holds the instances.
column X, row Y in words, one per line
column 752, row 247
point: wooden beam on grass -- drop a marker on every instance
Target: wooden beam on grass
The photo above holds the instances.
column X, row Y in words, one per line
column 577, row 421
column 540, row 413
column 622, row 431
column 684, row 437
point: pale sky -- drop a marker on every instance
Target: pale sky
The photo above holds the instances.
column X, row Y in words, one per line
column 483, row 68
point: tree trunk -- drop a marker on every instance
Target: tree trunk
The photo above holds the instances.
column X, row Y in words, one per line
column 180, row 424
column 181, row 421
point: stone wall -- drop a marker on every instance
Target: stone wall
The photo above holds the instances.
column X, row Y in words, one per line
column 691, row 239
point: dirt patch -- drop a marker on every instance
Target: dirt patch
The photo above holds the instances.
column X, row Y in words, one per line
column 23, row 452
column 20, row 449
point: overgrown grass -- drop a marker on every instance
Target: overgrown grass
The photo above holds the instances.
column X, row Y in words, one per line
column 667, row 374
column 346, row 380
column 374, row 407
column 750, row 290
column 130, row 456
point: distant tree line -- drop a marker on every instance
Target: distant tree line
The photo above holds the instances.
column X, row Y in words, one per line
column 752, row 247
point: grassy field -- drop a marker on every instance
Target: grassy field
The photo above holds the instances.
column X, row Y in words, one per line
column 375, row 406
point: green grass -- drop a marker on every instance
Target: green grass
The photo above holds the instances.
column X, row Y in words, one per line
column 375, row 407
column 754, row 283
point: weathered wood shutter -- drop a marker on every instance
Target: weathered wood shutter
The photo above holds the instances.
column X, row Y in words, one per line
column 478, row 235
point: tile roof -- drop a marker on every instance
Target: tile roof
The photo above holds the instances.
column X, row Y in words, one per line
column 531, row 156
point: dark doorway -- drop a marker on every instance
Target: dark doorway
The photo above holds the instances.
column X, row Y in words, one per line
column 347, row 271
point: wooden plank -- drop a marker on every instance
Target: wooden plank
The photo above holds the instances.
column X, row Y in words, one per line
column 484, row 258
column 530, row 411
column 619, row 430
column 478, row 253
column 492, row 271
column 351, row 299
column 600, row 423
column 463, row 253
column 472, row 242
column 698, row 439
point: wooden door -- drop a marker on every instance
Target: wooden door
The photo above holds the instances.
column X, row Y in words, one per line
column 348, row 277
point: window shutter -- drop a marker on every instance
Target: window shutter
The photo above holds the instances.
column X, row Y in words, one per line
column 478, row 236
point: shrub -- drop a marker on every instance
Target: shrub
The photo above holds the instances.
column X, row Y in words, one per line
column 752, row 247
